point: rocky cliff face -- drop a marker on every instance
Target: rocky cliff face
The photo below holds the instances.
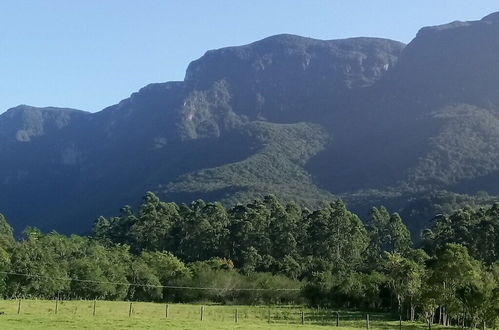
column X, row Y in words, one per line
column 287, row 78
column 452, row 63
column 23, row 123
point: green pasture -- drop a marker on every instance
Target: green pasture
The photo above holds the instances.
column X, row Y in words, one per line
column 78, row 314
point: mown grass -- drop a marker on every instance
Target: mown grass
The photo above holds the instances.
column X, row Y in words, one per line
column 77, row 314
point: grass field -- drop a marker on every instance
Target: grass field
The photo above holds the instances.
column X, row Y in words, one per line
column 42, row 314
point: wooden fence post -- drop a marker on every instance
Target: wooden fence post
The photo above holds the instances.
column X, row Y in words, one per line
column 130, row 310
column 302, row 317
column 337, row 319
column 236, row 316
column 19, row 306
column 166, row 311
column 56, row 303
column 269, row 315
column 202, row 313
column 93, row 313
column 367, row 321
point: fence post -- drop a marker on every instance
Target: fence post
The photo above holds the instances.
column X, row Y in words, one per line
column 56, row 303
column 269, row 315
column 19, row 306
column 93, row 312
column 202, row 313
column 367, row 321
column 130, row 310
column 302, row 317
column 337, row 319
column 236, row 316
column 166, row 311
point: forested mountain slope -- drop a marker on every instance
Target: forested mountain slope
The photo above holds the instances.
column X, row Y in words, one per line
column 370, row 120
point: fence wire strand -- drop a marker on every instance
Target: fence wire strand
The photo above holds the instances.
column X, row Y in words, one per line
column 142, row 285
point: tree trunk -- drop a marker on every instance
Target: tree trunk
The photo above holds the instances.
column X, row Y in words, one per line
column 431, row 318
column 413, row 312
column 399, row 299
column 338, row 242
column 444, row 317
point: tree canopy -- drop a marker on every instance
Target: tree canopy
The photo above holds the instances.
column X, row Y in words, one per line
column 325, row 257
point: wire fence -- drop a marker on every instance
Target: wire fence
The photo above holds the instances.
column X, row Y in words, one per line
column 68, row 279
column 120, row 310
column 206, row 313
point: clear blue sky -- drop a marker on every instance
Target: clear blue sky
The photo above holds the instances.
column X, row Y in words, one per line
column 88, row 54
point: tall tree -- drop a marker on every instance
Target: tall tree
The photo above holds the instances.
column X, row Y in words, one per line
column 406, row 279
column 251, row 245
column 387, row 233
column 203, row 232
column 6, row 234
column 452, row 269
column 337, row 236
column 152, row 230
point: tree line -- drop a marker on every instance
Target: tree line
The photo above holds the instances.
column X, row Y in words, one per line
column 325, row 257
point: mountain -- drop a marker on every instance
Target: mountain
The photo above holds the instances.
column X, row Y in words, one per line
column 370, row 120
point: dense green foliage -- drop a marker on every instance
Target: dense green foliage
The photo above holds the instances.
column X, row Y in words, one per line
column 325, row 257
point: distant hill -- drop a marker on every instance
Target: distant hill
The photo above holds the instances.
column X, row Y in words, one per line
column 370, row 120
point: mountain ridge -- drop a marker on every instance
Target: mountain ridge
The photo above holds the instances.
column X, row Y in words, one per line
column 370, row 120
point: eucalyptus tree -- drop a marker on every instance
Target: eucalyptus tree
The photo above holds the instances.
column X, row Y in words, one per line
column 387, row 233
column 7, row 240
column 452, row 269
column 336, row 236
column 251, row 245
column 152, row 227
column 202, row 231
column 406, row 278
